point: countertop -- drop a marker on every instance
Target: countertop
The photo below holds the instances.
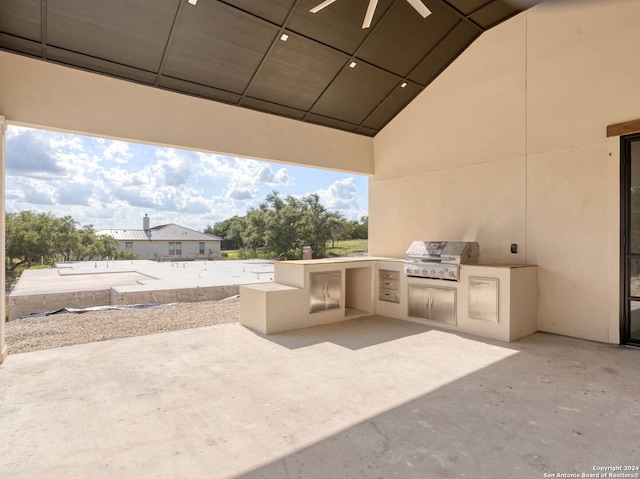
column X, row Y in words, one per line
column 354, row 259
column 499, row 265
column 340, row 259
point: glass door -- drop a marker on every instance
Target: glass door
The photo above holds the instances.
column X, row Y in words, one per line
column 630, row 239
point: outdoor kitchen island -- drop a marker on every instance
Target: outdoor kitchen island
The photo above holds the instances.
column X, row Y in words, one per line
column 490, row 300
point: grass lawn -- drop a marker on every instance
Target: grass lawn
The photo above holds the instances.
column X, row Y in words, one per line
column 347, row 247
column 341, row 248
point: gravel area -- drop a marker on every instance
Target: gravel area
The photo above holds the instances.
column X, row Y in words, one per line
column 33, row 334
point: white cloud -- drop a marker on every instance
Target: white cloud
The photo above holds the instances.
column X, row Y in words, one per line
column 247, row 177
column 116, row 151
column 177, row 169
column 113, row 184
column 73, row 193
column 38, row 192
column 342, row 196
column 27, row 155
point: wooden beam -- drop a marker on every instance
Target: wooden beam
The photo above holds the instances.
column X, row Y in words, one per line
column 625, row 128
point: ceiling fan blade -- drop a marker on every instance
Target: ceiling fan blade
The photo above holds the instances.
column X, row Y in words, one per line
column 420, row 8
column 368, row 17
column 319, row 7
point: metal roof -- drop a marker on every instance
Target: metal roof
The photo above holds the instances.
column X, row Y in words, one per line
column 274, row 56
column 170, row 232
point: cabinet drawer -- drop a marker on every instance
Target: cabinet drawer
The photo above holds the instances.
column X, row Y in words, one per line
column 386, row 274
column 483, row 299
column 389, row 284
column 391, row 295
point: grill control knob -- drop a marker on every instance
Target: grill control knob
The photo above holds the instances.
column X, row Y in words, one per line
column 433, row 271
column 452, row 274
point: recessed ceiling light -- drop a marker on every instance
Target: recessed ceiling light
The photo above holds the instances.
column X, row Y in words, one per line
column 192, row 2
column 404, row 84
column 284, row 37
column 352, row 65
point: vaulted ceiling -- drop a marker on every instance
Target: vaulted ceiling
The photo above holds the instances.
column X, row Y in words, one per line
column 234, row 51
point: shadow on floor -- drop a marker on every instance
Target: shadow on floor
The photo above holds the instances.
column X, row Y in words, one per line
column 348, row 333
column 558, row 406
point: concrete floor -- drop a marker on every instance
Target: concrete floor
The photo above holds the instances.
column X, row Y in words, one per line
column 368, row 398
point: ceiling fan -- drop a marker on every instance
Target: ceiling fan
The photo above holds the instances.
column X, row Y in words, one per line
column 368, row 17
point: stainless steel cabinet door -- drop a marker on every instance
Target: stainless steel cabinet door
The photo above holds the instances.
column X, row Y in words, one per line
column 433, row 303
column 325, row 291
column 334, row 290
column 443, row 305
column 419, row 299
column 317, row 300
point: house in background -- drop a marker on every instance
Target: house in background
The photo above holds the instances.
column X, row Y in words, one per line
column 166, row 242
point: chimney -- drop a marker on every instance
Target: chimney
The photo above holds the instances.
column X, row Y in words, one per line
column 145, row 222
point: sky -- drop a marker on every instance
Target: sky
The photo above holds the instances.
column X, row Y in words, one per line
column 113, row 184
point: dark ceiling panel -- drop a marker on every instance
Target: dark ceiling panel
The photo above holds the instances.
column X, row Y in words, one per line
column 296, row 72
column 98, row 65
column 197, row 90
column 355, row 93
column 331, row 122
column 275, row 11
column 229, row 50
column 267, row 107
column 439, row 58
column 338, row 25
column 21, row 18
column 403, row 37
column 129, row 32
column 218, row 46
column 396, row 101
column 468, row 6
column 20, row 45
column 361, row 130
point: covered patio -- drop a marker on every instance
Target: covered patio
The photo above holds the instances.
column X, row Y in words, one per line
column 372, row 397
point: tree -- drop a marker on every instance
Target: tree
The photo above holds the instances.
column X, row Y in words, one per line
column 32, row 238
column 284, row 225
column 317, row 223
column 29, row 238
column 230, row 230
column 360, row 230
column 253, row 233
column 65, row 240
column 283, row 218
column 340, row 229
column 280, row 226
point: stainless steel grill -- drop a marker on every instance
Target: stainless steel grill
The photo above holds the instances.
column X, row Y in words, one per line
column 439, row 259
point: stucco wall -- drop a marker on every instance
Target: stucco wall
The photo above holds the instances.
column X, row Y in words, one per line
column 40, row 94
column 509, row 146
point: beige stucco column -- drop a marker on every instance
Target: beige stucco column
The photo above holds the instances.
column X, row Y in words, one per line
column 3, row 345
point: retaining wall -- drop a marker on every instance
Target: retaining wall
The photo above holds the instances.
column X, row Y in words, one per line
column 38, row 303
column 23, row 305
column 183, row 295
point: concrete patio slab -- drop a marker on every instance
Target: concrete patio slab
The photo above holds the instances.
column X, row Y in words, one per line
column 373, row 398
column 142, row 275
column 87, row 284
